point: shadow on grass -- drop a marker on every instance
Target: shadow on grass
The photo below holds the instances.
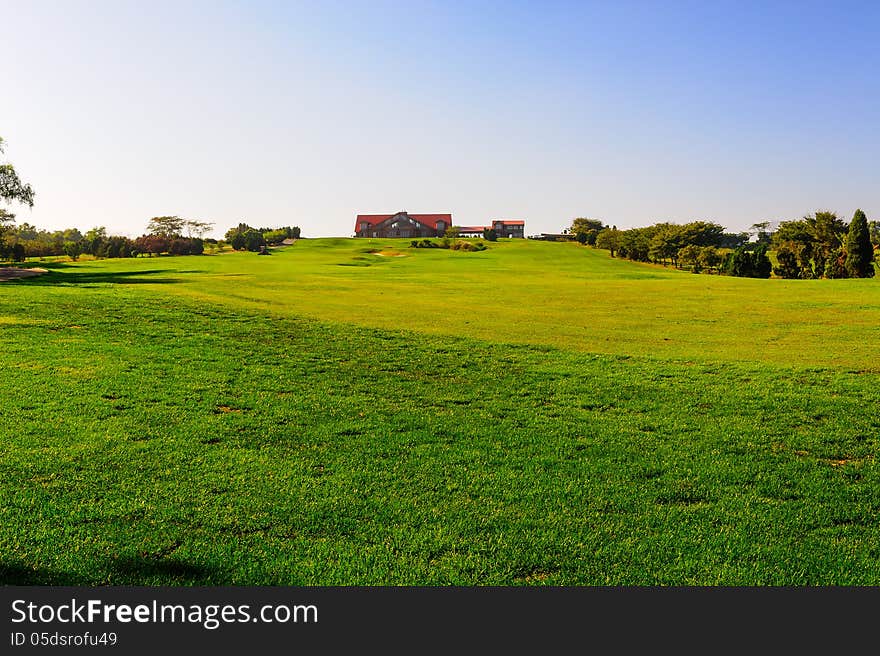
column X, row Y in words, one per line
column 75, row 276
column 150, row 570
column 18, row 574
column 128, row 570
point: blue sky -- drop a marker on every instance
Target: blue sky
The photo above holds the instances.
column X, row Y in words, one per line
column 288, row 113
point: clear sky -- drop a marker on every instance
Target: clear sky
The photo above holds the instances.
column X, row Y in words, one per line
column 289, row 113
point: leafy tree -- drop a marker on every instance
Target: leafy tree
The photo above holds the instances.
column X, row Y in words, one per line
column 733, row 240
column 27, row 232
column 874, row 230
column 835, row 264
column 738, row 263
column 12, row 189
column 241, row 228
column 761, row 265
column 95, row 241
column 859, row 260
column 166, row 226
column 793, row 231
column 689, row 256
column 794, row 239
column 237, row 242
column 827, row 229
column 700, row 233
column 788, row 265
column 609, row 239
column 762, row 233
column 451, row 232
column 292, row 232
column 586, row 230
column 815, row 239
column 709, row 258
column 70, row 234
column 665, row 244
column 635, row 243
column 745, row 264
column 828, row 234
column 186, row 246
column 152, row 244
column 73, row 250
column 119, row 246
column 253, row 241
column 275, row 236
column 490, row 234
column 197, row 228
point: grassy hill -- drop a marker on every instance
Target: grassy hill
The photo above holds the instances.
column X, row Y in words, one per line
column 537, row 413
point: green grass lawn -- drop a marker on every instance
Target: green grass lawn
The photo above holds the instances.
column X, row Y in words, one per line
column 537, row 413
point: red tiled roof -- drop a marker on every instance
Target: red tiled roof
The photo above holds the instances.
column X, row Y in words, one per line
column 427, row 219
column 505, row 222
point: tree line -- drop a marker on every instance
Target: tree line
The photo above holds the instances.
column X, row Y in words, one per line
column 164, row 234
column 245, row 238
column 818, row 246
column 823, row 246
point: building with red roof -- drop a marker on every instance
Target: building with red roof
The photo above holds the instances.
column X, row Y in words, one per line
column 401, row 224
column 502, row 227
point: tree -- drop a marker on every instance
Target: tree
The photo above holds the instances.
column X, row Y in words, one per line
column 733, row 240
column 186, row 246
column 253, row 241
column 586, row 230
column 761, row 265
column 835, row 264
column 166, row 226
column 664, row 245
column 152, row 244
column 451, row 232
column 745, row 264
column 761, row 232
column 700, row 233
column 815, row 239
column 274, row 237
column 874, row 230
column 738, row 263
column 73, row 250
column 94, row 241
column 689, row 256
column 709, row 258
column 635, row 243
column 241, row 228
column 828, row 234
column 788, row 263
column 12, row 189
column 795, row 241
column 609, row 239
column 237, row 241
column 489, row 234
column 859, row 262
column 197, row 228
